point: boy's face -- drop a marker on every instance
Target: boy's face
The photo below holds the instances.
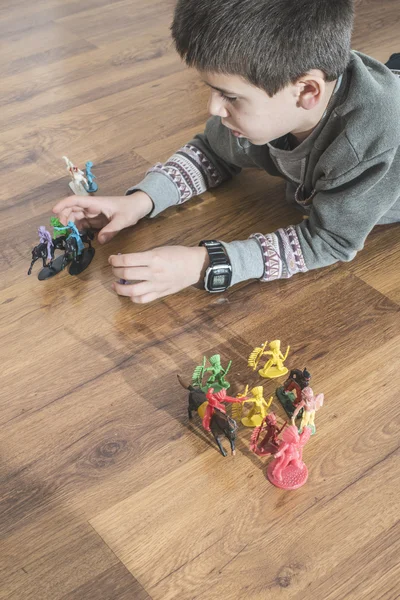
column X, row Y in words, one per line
column 250, row 113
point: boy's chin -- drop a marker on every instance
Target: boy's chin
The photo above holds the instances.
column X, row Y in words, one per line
column 257, row 142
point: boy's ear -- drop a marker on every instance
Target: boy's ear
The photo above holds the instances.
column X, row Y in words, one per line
column 310, row 90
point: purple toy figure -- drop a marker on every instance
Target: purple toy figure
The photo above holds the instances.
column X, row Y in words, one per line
column 45, row 238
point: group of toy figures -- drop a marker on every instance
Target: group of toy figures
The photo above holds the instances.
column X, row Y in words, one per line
column 67, row 238
column 283, row 442
column 70, row 241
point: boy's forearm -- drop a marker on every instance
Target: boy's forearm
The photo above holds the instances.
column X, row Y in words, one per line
column 185, row 174
column 202, row 164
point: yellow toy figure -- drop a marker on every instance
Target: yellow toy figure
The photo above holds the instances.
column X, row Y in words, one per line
column 274, row 367
column 259, row 410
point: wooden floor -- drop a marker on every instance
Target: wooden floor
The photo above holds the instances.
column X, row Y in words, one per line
column 107, row 491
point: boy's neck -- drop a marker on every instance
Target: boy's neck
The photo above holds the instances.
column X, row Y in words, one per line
column 315, row 115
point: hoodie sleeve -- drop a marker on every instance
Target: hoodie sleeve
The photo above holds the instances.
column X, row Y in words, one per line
column 344, row 211
column 204, row 163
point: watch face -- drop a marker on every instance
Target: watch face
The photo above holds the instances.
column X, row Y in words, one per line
column 219, row 280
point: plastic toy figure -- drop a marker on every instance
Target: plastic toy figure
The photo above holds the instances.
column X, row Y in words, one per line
column 197, row 400
column 92, row 187
column 45, row 237
column 217, row 420
column 59, row 230
column 259, row 410
column 310, row 404
column 214, row 400
column 274, row 366
column 74, row 233
column 75, row 251
column 289, row 394
column 78, row 183
column 287, row 469
column 216, row 380
column 39, row 252
column 44, row 251
column 270, row 443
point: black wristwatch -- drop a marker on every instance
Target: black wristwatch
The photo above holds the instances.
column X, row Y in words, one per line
column 219, row 273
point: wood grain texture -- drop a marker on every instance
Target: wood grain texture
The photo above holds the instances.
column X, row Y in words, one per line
column 107, row 492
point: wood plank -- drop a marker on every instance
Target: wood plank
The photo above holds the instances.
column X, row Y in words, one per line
column 378, row 264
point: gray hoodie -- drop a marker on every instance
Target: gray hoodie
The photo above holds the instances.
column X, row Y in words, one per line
column 345, row 177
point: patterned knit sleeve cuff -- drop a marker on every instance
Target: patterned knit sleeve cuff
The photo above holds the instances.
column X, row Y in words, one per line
column 281, row 253
column 190, row 173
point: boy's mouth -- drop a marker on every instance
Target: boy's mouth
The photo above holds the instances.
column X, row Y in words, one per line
column 233, row 131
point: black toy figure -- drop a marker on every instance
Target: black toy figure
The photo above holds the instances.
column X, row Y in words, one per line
column 220, row 423
column 80, row 258
column 289, row 394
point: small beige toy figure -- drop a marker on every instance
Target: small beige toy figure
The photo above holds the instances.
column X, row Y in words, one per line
column 259, row 410
column 310, row 404
column 78, row 179
column 274, row 367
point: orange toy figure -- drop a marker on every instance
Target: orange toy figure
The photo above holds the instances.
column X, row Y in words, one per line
column 287, row 470
column 310, row 404
column 274, row 367
column 259, row 410
column 270, row 443
column 215, row 402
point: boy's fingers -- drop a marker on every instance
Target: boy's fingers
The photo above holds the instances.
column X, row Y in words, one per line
column 136, row 259
column 66, row 215
column 140, row 293
column 134, row 290
column 111, row 229
column 78, row 202
column 133, row 273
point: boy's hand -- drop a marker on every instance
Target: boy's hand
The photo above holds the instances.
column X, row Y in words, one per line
column 110, row 214
column 158, row 272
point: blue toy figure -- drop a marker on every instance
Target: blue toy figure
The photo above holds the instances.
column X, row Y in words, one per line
column 92, row 186
column 75, row 234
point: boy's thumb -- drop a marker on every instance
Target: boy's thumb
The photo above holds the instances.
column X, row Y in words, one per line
column 110, row 230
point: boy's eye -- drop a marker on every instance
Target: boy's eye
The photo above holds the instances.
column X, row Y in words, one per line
column 227, row 98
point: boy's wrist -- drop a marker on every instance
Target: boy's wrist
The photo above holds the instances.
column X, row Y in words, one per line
column 203, row 263
column 218, row 276
column 144, row 201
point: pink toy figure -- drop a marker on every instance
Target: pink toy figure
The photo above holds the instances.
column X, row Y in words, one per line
column 311, row 404
column 215, row 401
column 270, row 443
column 287, row 470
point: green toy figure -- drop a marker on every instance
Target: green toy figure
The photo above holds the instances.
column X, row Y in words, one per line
column 217, row 379
column 58, row 228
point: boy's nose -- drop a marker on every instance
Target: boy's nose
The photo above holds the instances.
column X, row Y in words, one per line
column 216, row 106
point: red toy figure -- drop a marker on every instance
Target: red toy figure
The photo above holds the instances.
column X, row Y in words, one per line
column 215, row 401
column 287, row 470
column 270, row 443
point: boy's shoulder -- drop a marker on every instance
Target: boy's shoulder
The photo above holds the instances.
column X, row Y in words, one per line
column 370, row 110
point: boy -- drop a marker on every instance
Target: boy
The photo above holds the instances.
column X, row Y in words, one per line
column 287, row 95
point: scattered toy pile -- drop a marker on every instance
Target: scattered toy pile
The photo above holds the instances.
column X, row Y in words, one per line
column 207, row 395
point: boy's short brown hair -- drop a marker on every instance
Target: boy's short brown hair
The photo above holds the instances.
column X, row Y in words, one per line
column 270, row 43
